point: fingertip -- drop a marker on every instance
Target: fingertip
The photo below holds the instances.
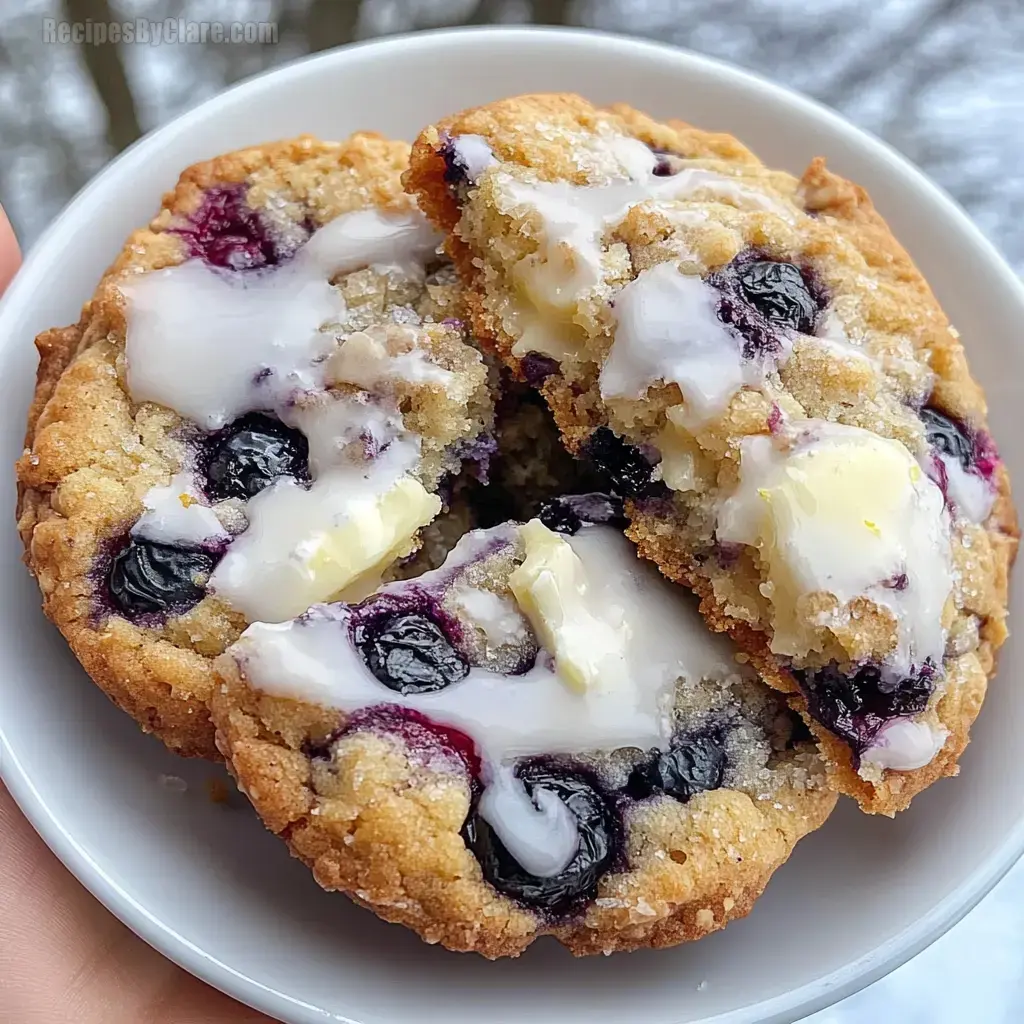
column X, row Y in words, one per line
column 10, row 254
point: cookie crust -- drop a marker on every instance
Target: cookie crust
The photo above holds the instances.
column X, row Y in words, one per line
column 837, row 229
column 91, row 453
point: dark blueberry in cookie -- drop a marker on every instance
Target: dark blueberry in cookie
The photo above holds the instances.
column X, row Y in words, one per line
column 251, row 453
column 409, row 652
column 854, row 706
column 568, row 513
column 536, row 368
column 147, row 578
column 761, row 296
column 778, row 291
column 227, row 232
column 420, row 734
column 693, row 765
column 599, row 841
column 667, row 163
column 623, row 464
column 948, row 438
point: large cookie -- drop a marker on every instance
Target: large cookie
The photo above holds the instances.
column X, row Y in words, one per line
column 539, row 737
column 759, row 366
column 254, row 413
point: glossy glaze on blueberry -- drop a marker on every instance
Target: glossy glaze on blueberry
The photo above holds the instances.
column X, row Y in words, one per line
column 856, row 706
column 973, row 449
column 227, row 232
column 693, row 764
column 408, row 650
column 147, row 578
column 762, row 296
column 623, row 464
column 569, row 512
column 600, row 840
column 251, row 453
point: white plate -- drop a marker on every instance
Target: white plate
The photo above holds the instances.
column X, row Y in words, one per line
column 208, row 887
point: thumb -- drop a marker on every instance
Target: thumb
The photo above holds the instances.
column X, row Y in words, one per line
column 10, row 255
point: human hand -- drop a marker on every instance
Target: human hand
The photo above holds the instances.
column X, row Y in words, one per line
column 63, row 958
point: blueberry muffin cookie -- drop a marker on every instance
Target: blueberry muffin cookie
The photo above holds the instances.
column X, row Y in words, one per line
column 255, row 413
column 762, row 371
column 539, row 737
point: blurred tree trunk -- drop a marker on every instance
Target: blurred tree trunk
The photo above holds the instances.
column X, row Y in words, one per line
column 551, row 12
column 331, row 23
column 107, row 71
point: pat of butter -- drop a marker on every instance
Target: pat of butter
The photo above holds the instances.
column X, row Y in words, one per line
column 378, row 530
column 332, row 540
column 844, row 511
column 551, row 588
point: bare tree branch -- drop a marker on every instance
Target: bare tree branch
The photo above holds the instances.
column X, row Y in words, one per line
column 107, row 71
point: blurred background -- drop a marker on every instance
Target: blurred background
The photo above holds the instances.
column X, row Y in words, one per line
column 941, row 80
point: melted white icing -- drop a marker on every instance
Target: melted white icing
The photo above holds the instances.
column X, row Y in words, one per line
column 473, row 155
column 272, row 571
column 846, row 512
column 971, row 493
column 214, row 344
column 541, row 834
column 573, row 220
column 667, row 329
column 904, row 744
column 175, row 514
column 363, row 359
column 497, row 616
column 344, row 426
column 312, row 659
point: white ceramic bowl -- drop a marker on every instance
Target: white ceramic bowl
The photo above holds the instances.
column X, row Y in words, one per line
column 209, row 888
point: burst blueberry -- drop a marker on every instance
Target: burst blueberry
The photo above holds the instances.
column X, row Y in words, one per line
column 694, row 764
column 227, row 232
column 599, row 842
column 569, row 512
column 409, row 652
column 147, row 578
column 625, row 466
column 250, row 454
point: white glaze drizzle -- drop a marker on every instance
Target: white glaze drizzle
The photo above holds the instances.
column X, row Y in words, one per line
column 846, row 512
column 312, row 659
column 972, row 495
column 175, row 514
column 473, row 155
column 541, row 833
column 215, row 344
column 904, row 744
column 668, row 330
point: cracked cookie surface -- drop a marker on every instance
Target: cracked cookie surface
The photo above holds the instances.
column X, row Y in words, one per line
column 758, row 366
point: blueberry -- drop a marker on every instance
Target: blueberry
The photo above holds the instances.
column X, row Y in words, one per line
column 948, row 438
column 778, row 291
column 249, row 454
column 227, row 232
column 568, row 513
column 409, row 652
column 854, row 706
column 536, row 368
column 623, row 464
column 693, row 765
column 667, row 163
column 599, row 842
column 761, row 296
column 147, row 578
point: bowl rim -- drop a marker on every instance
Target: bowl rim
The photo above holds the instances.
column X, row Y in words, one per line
column 789, row 1006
